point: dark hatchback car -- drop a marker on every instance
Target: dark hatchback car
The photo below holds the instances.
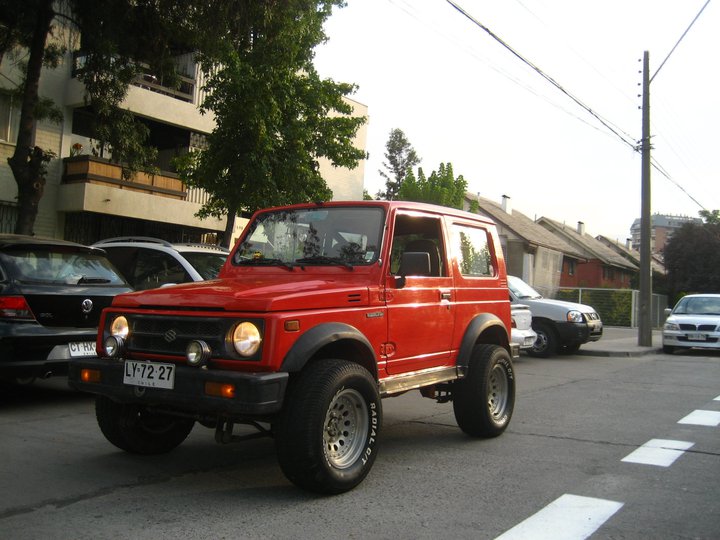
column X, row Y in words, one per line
column 51, row 296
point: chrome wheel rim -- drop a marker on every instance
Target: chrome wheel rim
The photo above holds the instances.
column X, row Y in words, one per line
column 498, row 392
column 345, row 429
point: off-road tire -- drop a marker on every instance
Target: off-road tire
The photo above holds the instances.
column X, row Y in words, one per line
column 136, row 430
column 326, row 438
column 546, row 343
column 484, row 400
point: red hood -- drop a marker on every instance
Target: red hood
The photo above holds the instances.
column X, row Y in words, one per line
column 252, row 294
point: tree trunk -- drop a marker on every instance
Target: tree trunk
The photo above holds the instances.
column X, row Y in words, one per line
column 229, row 228
column 28, row 161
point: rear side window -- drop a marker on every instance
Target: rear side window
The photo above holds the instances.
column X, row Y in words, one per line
column 156, row 268
column 471, row 247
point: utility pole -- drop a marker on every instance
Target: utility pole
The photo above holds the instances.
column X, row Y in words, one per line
column 645, row 323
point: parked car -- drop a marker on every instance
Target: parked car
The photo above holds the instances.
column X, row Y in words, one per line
column 51, row 296
column 522, row 332
column 693, row 322
column 148, row 263
column 561, row 327
column 320, row 312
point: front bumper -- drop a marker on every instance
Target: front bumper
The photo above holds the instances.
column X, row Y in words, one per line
column 523, row 338
column 673, row 338
column 256, row 394
column 579, row 333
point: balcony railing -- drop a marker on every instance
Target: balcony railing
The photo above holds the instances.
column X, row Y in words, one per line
column 95, row 170
column 184, row 91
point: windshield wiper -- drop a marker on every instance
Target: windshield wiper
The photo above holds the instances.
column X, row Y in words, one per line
column 267, row 262
column 86, row 279
column 322, row 259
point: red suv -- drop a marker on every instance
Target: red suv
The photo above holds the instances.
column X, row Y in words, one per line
column 320, row 311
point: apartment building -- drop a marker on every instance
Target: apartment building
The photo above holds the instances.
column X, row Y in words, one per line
column 86, row 198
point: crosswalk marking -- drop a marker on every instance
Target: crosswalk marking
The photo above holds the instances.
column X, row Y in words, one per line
column 569, row 517
column 702, row 418
column 659, row 452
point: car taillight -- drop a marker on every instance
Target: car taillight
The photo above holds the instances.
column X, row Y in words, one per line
column 15, row 307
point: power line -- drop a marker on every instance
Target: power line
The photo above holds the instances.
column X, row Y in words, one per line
column 545, row 76
column 679, row 40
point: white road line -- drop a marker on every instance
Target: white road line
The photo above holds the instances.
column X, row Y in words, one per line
column 660, row 452
column 702, row 418
column 570, row 517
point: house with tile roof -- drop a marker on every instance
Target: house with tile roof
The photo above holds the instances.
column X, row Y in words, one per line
column 602, row 267
column 532, row 252
column 633, row 255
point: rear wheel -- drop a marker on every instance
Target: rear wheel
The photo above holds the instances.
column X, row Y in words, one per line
column 483, row 401
column 326, row 438
column 546, row 343
column 136, row 430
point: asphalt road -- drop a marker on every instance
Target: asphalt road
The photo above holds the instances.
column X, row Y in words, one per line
column 560, row 466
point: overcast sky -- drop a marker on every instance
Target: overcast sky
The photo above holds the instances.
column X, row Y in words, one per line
column 461, row 97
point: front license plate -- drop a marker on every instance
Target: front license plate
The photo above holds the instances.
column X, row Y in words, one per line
column 697, row 337
column 149, row 374
column 79, row 349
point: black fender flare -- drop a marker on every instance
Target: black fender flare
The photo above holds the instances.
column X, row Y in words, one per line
column 480, row 324
column 324, row 335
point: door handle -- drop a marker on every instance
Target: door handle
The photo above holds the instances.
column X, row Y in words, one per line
column 445, row 295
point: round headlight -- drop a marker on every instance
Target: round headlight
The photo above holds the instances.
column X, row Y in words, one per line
column 120, row 327
column 113, row 346
column 197, row 353
column 246, row 339
column 574, row 316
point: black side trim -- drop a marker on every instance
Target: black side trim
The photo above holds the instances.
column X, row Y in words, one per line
column 476, row 327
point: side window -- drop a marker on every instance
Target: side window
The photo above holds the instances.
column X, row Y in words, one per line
column 471, row 248
column 156, row 268
column 418, row 234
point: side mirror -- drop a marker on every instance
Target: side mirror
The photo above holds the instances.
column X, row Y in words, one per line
column 667, row 311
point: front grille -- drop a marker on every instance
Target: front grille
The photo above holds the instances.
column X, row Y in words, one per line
column 152, row 334
column 592, row 316
column 698, row 327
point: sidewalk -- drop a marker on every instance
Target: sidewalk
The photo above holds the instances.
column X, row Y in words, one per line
column 617, row 341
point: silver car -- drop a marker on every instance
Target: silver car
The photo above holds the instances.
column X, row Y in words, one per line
column 693, row 322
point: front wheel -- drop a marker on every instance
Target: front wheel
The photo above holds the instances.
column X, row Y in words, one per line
column 668, row 349
column 546, row 343
column 136, row 430
column 483, row 401
column 326, row 437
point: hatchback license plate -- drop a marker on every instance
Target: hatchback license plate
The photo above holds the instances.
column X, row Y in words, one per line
column 149, row 374
column 697, row 337
column 79, row 349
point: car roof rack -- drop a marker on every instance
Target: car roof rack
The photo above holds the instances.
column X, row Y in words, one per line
column 148, row 239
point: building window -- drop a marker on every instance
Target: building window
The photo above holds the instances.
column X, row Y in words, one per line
column 8, row 217
column 571, row 268
column 9, row 119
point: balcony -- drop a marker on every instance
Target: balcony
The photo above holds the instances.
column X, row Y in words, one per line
column 100, row 171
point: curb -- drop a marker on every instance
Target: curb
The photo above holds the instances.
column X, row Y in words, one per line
column 623, row 354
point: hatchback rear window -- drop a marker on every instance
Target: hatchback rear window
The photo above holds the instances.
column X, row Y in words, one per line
column 43, row 265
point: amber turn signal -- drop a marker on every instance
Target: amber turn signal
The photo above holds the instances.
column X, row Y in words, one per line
column 220, row 389
column 90, row 375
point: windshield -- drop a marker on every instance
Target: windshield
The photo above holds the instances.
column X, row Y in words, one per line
column 521, row 289
column 206, row 264
column 698, row 305
column 345, row 236
column 45, row 265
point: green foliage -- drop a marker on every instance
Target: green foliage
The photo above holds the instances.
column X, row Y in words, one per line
column 275, row 116
column 440, row 188
column 401, row 158
column 692, row 258
column 711, row 217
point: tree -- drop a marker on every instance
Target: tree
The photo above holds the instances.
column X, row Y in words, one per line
column 401, row 158
column 692, row 258
column 710, row 216
column 275, row 116
column 440, row 188
column 115, row 36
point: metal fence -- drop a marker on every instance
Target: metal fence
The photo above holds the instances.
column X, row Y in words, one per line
column 616, row 307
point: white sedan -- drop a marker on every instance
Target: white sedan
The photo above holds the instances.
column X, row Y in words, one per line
column 693, row 322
